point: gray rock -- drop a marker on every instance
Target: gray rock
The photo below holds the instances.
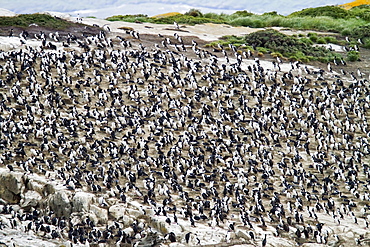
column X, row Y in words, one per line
column 11, row 186
column 30, row 199
column 118, row 213
column 160, row 226
column 134, row 213
column 242, row 234
column 35, row 185
column 81, row 202
column 100, row 213
column 48, row 189
column 151, row 239
column 60, row 203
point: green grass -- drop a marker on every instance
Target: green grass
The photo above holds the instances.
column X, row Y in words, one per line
column 353, row 22
column 41, row 20
column 321, row 23
column 353, row 56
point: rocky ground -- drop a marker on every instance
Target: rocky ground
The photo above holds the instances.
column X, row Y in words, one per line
column 124, row 140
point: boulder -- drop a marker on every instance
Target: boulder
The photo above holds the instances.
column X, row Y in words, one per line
column 81, row 202
column 151, row 239
column 134, row 213
column 159, row 225
column 100, row 213
column 48, row 189
column 242, row 234
column 118, row 213
column 30, row 199
column 36, row 185
column 59, row 203
column 11, row 186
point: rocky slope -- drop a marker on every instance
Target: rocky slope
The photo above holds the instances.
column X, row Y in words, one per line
column 139, row 135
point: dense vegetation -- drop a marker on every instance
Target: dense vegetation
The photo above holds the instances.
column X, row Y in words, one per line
column 353, row 23
column 278, row 44
column 41, row 20
column 180, row 18
column 328, row 18
column 289, row 46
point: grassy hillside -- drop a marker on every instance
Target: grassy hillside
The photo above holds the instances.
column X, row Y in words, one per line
column 42, row 20
column 352, row 23
column 328, row 18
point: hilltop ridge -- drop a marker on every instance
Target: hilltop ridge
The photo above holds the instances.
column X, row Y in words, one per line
column 355, row 3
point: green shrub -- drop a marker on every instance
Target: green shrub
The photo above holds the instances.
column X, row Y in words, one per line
column 331, row 39
column 242, row 13
column 346, row 32
column 271, row 39
column 194, row 13
column 321, row 40
column 362, row 11
column 313, row 37
column 272, row 13
column 276, row 54
column 353, row 56
column 307, row 41
column 214, row 16
column 366, row 42
column 262, row 50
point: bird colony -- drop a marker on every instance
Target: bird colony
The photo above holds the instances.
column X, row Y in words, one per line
column 121, row 139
